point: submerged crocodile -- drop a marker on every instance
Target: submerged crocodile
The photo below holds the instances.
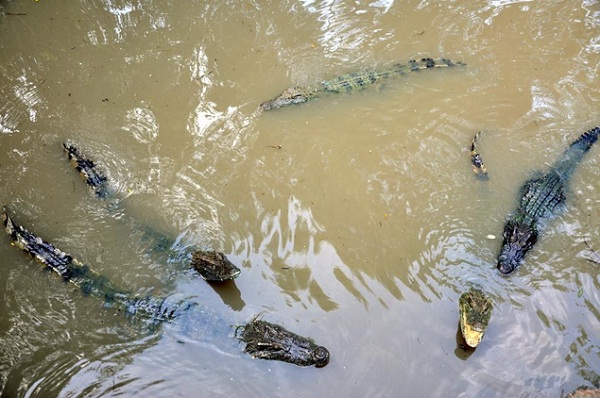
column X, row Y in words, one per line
column 539, row 198
column 263, row 339
column 352, row 82
column 211, row 265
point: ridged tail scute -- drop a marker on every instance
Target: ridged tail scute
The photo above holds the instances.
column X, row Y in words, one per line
column 156, row 309
column 152, row 309
column 426, row 63
column 575, row 153
column 586, row 140
column 37, row 248
column 87, row 169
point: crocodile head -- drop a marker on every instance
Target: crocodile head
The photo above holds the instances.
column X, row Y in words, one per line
column 291, row 96
column 214, row 266
column 269, row 341
column 518, row 239
column 475, row 311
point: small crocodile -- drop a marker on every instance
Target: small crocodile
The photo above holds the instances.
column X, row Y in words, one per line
column 211, row 265
column 352, row 82
column 478, row 166
column 263, row 339
column 539, row 199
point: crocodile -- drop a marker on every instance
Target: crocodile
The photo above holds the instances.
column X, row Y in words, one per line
column 262, row 339
column 539, row 199
column 478, row 167
column 353, row 81
column 212, row 265
column 475, row 311
column 584, row 392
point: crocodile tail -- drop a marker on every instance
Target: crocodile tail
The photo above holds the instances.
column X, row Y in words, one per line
column 87, row 169
column 69, row 268
column 415, row 65
column 576, row 151
column 475, row 138
column 586, row 140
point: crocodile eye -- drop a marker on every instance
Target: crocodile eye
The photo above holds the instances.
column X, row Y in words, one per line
column 320, row 356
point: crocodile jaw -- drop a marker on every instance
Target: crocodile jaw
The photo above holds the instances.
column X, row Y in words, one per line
column 471, row 335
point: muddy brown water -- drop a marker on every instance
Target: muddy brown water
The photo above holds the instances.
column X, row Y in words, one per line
column 356, row 219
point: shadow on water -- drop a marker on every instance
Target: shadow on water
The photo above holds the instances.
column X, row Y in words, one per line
column 462, row 350
column 229, row 293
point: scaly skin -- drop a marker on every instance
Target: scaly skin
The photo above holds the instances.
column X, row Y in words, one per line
column 87, row 169
column 584, row 392
column 352, row 82
column 263, row 339
column 269, row 341
column 540, row 197
column 475, row 311
column 88, row 281
column 211, row 265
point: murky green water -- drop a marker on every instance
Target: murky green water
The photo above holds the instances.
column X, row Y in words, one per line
column 356, row 219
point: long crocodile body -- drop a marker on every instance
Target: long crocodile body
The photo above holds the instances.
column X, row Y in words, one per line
column 211, row 265
column 354, row 81
column 539, row 198
column 263, row 339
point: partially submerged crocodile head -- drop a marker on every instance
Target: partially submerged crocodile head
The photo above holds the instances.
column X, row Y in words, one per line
column 291, row 96
column 475, row 311
column 265, row 340
column 214, row 266
column 518, row 239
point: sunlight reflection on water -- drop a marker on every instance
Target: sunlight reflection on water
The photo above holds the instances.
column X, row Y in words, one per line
column 356, row 218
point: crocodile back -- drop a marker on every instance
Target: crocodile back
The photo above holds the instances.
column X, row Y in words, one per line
column 541, row 196
column 358, row 80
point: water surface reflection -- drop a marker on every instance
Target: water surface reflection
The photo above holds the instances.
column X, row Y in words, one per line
column 356, row 219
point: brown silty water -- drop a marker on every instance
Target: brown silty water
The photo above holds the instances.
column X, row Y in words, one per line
column 356, row 218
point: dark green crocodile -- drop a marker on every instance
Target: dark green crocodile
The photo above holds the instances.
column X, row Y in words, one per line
column 211, row 265
column 352, row 82
column 263, row 339
column 539, row 199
